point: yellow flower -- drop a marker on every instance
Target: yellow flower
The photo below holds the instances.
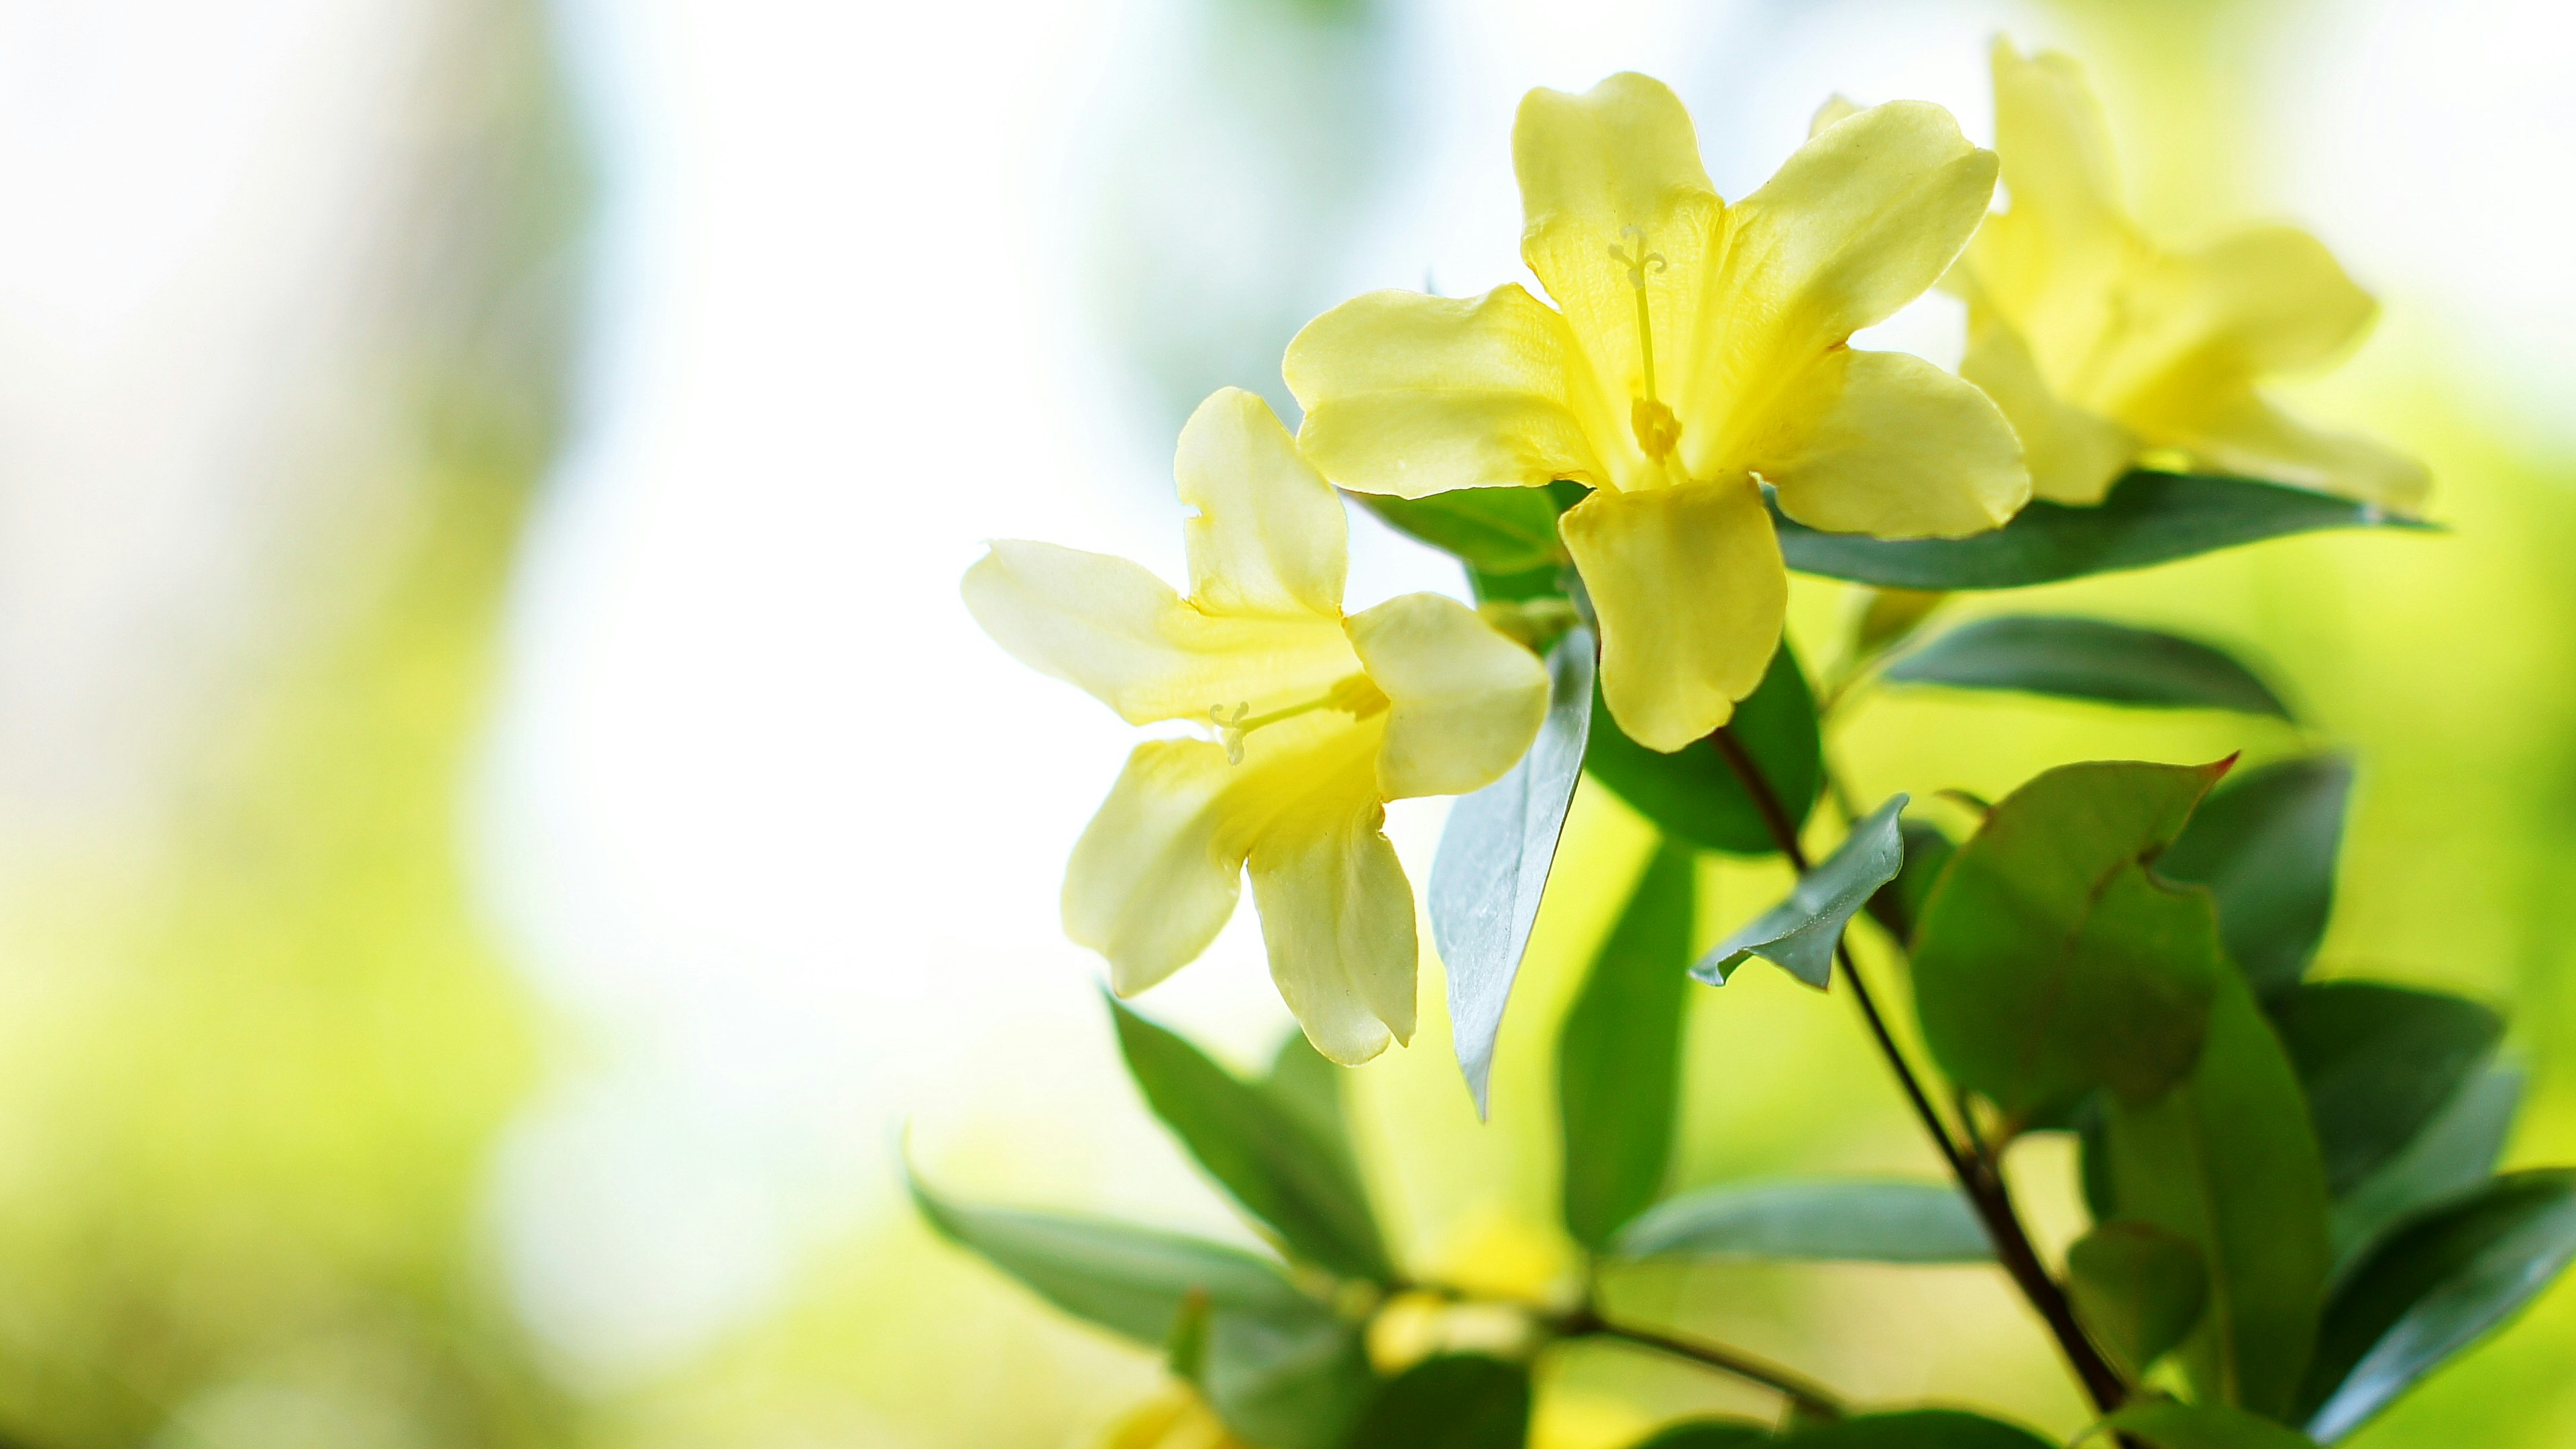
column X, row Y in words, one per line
column 2099, row 345
column 1694, row 348
column 1174, row 1418
column 1318, row 719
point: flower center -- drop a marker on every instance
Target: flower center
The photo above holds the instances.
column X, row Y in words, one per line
column 1355, row 695
column 1656, row 428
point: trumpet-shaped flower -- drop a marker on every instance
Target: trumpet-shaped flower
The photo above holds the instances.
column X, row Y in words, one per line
column 2099, row 345
column 1317, row 719
column 1696, row 349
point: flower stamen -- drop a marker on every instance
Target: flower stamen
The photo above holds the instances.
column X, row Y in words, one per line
column 1656, row 428
column 1355, row 695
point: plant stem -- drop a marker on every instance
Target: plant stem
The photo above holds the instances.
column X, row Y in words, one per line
column 1806, row 1393
column 1977, row 1174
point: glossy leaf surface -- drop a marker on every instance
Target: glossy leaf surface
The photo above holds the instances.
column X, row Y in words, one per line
column 1618, row 1062
column 2450, row 1159
column 1692, row 796
column 1455, row 1401
column 1495, row 855
column 2265, row 843
column 2050, row 960
column 2166, row 1424
column 1492, row 530
column 2087, row 659
column 2148, row 518
column 1898, row 905
column 2138, row 1288
column 1799, row 934
column 2378, row 1062
column 1830, row 1220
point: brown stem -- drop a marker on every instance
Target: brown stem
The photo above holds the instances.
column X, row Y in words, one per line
column 1976, row 1173
column 1805, row 1392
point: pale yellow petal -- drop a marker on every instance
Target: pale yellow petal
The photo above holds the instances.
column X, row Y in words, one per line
column 1613, row 156
column 1114, row 629
column 1464, row 701
column 2251, row 436
column 1156, row 874
column 1690, row 591
column 2074, row 455
column 1885, row 443
column 1337, row 918
column 2058, row 167
column 1270, row 536
column 1836, row 109
column 2273, row 299
column 1412, row 395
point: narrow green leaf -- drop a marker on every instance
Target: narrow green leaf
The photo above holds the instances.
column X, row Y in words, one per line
column 1127, row 1279
column 1618, row 1056
column 1259, row 1152
column 2087, row 659
column 1455, row 1401
column 1306, row 1085
column 2450, row 1159
column 2166, row 1424
column 2265, row 844
column 2432, row 1289
column 2228, row 1161
column 1494, row 859
column 1898, row 905
column 1494, row 530
column 2138, row 1288
column 2050, row 961
column 1706, row 1434
column 2378, row 1062
column 1799, row 934
column 1287, row 1383
column 1918, row 1429
column 1692, row 796
column 2148, row 518
column 1829, row 1220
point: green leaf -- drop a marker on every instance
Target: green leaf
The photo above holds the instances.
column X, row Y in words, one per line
column 1455, row 1401
column 1127, row 1279
column 2165, row 1424
column 2378, row 1062
column 2432, row 1289
column 1261, row 1153
column 2087, row 659
column 2050, row 961
column 1706, row 1434
column 1829, row 1220
column 2228, row 1161
column 2149, row 518
column 1494, row 530
column 1306, row 1085
column 1799, row 934
column 2265, row 845
column 1287, row 1383
column 1618, row 1056
column 1918, row 1429
column 1692, row 796
column 2138, row 1288
column 2450, row 1159
column 1898, row 905
column 1494, row 859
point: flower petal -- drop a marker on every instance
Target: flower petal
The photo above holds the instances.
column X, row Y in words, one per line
column 2248, row 434
column 2271, row 299
column 1464, row 701
column 1114, row 629
column 2058, row 165
column 1412, row 395
column 1156, row 874
column 2074, row 455
column 1270, row 536
column 1690, row 590
column 1887, row 444
column 1337, row 917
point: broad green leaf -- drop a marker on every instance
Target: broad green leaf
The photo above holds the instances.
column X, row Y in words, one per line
column 2228, row 1161
column 2166, row 1424
column 2433, row 1288
column 1618, row 1056
column 1706, row 1434
column 2138, row 1288
column 1898, row 905
column 2149, row 518
column 2087, row 659
column 2378, row 1062
column 1127, row 1279
column 1456, row 1401
column 1287, row 1383
column 1494, row 859
column 2450, row 1159
column 1306, row 1084
column 1888, row 617
column 1494, row 530
column 1692, row 796
column 1830, row 1220
column 1260, row 1152
column 2050, row 961
column 1918, row 1429
column 2265, row 844
column 1799, row 934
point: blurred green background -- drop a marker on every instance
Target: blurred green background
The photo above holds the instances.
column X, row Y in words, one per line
column 277, row 1012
